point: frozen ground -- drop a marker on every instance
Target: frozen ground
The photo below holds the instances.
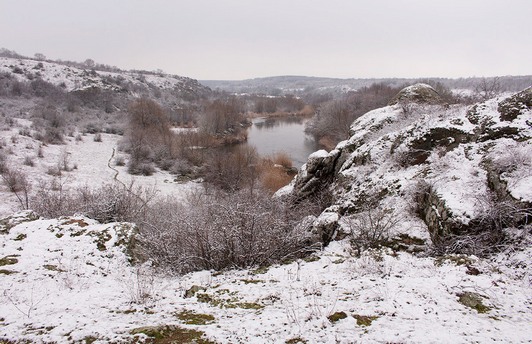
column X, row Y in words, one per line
column 61, row 281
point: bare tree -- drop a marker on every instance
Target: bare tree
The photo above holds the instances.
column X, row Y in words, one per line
column 18, row 183
column 148, row 134
column 222, row 116
column 488, row 88
column 40, row 57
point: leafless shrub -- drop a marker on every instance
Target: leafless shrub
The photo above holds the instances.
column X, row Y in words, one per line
column 53, row 135
column 488, row 88
column 372, row 227
column 25, row 132
column 140, row 284
column 10, row 122
column 98, row 137
column 40, row 152
column 3, row 163
column 222, row 116
column 53, row 171
column 28, row 161
column 221, row 231
column 487, row 233
column 63, row 164
column 110, row 203
column 53, row 199
column 115, row 202
column 139, row 167
column 516, row 159
column 17, row 183
column 148, row 129
column 234, row 170
column 120, row 161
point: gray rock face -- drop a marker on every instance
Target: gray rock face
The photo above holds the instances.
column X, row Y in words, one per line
column 473, row 160
column 418, row 93
column 316, row 174
column 513, row 106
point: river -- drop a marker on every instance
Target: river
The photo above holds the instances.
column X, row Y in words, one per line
column 282, row 134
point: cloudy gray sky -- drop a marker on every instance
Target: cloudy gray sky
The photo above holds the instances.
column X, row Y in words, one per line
column 238, row 39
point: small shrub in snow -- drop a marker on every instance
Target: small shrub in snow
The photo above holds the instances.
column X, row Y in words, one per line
column 25, row 132
column 54, row 136
column 53, row 171
column 120, row 161
column 140, row 167
column 17, row 183
column 28, row 161
column 63, row 163
column 98, row 137
column 3, row 163
column 40, row 152
column 372, row 227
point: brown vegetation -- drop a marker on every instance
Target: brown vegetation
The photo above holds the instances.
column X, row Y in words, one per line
column 276, row 172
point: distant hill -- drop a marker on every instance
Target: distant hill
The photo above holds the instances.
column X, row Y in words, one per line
column 303, row 84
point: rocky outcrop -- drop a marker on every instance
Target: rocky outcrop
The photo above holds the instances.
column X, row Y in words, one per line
column 316, row 174
column 418, row 93
column 515, row 105
column 394, row 150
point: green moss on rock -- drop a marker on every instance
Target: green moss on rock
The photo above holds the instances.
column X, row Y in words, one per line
column 364, row 320
column 172, row 334
column 474, row 301
column 8, row 260
column 193, row 318
column 337, row 316
column 7, row 272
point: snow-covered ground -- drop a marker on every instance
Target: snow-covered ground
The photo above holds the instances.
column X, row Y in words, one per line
column 69, row 280
column 92, row 164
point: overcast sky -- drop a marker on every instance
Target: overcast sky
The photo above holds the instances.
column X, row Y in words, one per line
column 239, row 39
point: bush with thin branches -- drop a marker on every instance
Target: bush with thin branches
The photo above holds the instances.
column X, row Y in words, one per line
column 372, row 227
column 222, row 231
column 17, row 183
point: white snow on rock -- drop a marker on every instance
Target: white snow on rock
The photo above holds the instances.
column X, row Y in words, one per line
column 318, row 154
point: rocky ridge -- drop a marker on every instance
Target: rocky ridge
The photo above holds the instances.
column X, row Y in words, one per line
column 446, row 171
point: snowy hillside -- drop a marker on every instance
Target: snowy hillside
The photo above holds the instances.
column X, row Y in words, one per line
column 80, row 162
column 73, row 79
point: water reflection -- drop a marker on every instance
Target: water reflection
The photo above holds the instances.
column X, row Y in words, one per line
column 282, row 134
column 273, row 122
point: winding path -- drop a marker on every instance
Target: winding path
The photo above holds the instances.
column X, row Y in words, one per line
column 115, row 177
